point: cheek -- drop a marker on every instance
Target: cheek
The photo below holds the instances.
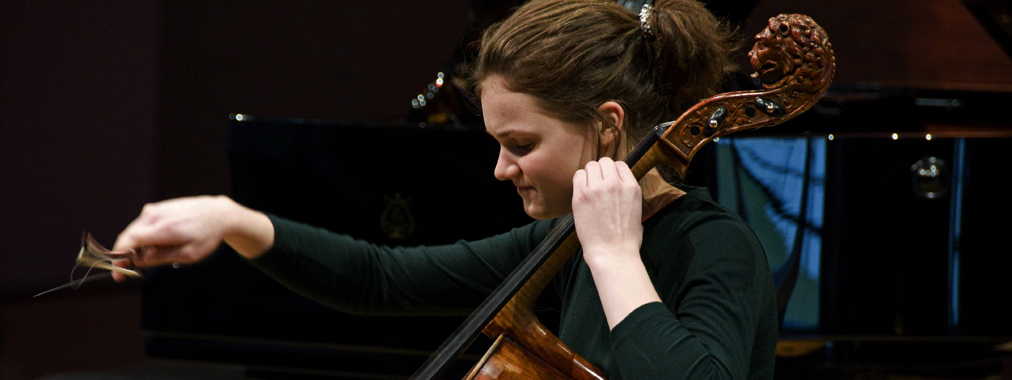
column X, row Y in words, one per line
column 545, row 170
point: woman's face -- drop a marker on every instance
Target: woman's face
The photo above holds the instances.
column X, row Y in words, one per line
column 538, row 152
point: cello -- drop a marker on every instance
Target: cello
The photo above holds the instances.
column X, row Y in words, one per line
column 793, row 60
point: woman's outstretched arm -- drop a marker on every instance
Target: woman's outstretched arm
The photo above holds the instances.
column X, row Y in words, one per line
column 188, row 230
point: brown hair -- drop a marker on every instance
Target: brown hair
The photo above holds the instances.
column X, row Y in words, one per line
column 572, row 56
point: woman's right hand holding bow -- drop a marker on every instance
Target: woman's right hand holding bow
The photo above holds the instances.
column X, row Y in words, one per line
column 188, row 230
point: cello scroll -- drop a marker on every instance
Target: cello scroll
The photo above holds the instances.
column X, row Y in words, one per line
column 794, row 61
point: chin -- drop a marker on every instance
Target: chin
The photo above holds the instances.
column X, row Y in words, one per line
column 541, row 213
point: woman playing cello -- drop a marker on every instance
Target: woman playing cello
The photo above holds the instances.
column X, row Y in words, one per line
column 668, row 284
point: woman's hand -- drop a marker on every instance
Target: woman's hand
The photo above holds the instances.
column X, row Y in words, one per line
column 188, row 230
column 607, row 210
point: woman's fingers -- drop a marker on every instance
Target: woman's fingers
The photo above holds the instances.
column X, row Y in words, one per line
column 148, row 229
column 579, row 180
column 625, row 174
column 605, row 175
column 154, row 256
column 608, row 170
column 183, row 230
column 606, row 187
column 117, row 276
column 593, row 169
column 136, row 236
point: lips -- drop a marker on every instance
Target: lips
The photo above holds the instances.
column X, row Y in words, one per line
column 524, row 189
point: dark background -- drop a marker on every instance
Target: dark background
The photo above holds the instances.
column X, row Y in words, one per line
column 106, row 105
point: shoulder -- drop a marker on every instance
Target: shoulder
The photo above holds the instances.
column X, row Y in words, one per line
column 694, row 233
column 697, row 215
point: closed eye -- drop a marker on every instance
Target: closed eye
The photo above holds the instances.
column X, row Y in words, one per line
column 522, row 149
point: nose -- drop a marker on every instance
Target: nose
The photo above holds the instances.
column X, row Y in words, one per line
column 506, row 167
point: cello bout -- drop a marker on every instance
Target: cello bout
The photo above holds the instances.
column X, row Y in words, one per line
column 501, row 363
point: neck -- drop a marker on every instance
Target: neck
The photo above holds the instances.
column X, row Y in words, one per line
column 657, row 193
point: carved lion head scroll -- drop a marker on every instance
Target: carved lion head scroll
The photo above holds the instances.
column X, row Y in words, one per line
column 794, row 47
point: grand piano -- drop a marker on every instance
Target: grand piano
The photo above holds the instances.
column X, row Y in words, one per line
column 899, row 250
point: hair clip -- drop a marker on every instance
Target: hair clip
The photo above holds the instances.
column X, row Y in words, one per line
column 645, row 19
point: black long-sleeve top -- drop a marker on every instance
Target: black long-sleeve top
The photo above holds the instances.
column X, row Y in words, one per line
column 717, row 319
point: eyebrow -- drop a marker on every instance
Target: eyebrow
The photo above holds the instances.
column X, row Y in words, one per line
column 507, row 133
column 502, row 134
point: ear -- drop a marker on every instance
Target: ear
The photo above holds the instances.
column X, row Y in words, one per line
column 610, row 128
